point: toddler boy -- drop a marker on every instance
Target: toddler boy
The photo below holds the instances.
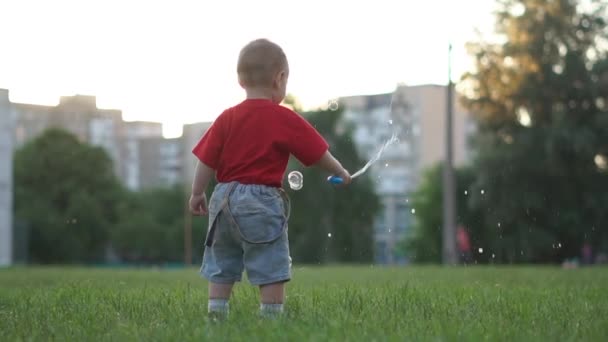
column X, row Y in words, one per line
column 247, row 148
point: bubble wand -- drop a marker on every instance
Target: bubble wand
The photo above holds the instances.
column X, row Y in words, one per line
column 339, row 180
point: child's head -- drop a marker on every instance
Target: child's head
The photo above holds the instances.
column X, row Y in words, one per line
column 263, row 66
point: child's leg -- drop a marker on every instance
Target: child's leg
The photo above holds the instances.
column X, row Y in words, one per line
column 220, row 291
column 273, row 296
column 273, row 293
column 265, row 243
column 219, row 295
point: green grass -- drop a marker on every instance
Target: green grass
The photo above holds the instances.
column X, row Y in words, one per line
column 333, row 303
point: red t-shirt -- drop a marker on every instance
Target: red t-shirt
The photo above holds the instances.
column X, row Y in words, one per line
column 251, row 143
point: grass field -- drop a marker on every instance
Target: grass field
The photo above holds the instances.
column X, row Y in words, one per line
column 332, row 303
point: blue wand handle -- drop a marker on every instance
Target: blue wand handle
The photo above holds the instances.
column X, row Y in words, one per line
column 335, row 180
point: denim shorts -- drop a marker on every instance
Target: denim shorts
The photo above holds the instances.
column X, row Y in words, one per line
column 248, row 231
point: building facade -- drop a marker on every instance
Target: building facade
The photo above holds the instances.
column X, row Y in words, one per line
column 191, row 135
column 160, row 162
column 416, row 114
column 105, row 128
column 78, row 115
column 132, row 155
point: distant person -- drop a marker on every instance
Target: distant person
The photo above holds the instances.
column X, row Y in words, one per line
column 587, row 254
column 464, row 244
column 247, row 149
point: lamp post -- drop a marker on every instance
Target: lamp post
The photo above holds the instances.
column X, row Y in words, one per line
column 450, row 257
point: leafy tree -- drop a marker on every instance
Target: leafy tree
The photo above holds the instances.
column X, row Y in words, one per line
column 423, row 244
column 329, row 224
column 67, row 194
column 540, row 99
column 151, row 227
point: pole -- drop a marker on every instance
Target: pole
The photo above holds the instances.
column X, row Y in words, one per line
column 449, row 232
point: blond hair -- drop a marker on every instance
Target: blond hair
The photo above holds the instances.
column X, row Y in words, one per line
column 259, row 62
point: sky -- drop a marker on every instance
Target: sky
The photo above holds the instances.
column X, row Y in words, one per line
column 175, row 61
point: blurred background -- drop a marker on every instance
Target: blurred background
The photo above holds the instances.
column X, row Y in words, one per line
column 501, row 109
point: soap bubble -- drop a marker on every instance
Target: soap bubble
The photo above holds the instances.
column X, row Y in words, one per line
column 296, row 180
column 333, row 105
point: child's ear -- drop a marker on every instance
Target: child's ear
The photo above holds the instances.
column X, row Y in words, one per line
column 278, row 79
column 283, row 76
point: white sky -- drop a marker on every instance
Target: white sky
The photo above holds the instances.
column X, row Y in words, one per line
column 175, row 61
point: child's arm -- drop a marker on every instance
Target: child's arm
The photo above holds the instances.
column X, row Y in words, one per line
column 333, row 166
column 306, row 144
column 198, row 199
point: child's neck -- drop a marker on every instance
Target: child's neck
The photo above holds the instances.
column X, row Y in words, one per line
column 259, row 93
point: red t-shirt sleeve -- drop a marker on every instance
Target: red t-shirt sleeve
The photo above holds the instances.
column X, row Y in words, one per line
column 304, row 142
column 209, row 148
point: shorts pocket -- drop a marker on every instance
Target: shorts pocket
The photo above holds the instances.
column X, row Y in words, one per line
column 260, row 220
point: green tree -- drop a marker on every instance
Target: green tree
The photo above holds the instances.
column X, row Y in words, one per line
column 151, row 224
column 424, row 242
column 329, row 224
column 150, row 228
column 540, row 100
column 67, row 194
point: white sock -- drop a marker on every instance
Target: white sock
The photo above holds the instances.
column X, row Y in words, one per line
column 271, row 310
column 218, row 306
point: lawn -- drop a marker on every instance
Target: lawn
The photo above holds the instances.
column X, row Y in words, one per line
column 324, row 303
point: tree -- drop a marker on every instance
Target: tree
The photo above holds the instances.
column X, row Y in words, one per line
column 67, row 194
column 151, row 227
column 329, row 224
column 424, row 243
column 540, row 103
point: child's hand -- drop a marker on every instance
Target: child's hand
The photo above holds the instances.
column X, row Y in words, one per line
column 346, row 179
column 198, row 204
